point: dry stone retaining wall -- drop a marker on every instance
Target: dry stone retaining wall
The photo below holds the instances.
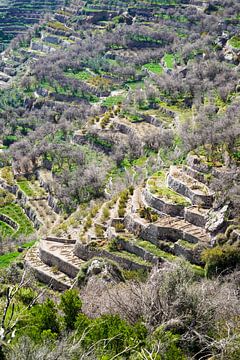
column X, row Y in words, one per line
column 52, row 260
column 183, row 189
column 194, row 218
column 9, row 221
column 161, row 205
column 87, row 252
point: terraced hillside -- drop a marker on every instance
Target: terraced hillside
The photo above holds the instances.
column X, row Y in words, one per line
column 120, row 181
column 17, row 15
column 166, row 217
column 107, row 100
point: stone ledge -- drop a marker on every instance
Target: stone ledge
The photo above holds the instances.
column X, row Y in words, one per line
column 154, row 232
column 162, row 205
column 86, row 252
column 61, row 240
column 130, row 247
column 52, row 259
column 182, row 188
column 194, row 173
column 189, row 254
column 12, row 189
column 55, row 283
column 195, row 218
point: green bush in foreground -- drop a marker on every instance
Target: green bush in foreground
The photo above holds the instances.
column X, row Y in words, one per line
column 71, row 306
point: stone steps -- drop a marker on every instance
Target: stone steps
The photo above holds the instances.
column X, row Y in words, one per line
column 178, row 228
column 61, row 256
column 54, row 278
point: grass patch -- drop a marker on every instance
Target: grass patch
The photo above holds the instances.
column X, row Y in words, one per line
column 186, row 244
column 112, row 101
column 158, row 188
column 154, row 67
column 132, row 257
column 26, row 188
column 155, row 250
column 7, row 259
column 5, row 230
column 135, row 84
column 169, row 60
column 31, row 188
column 81, row 75
column 235, row 42
column 16, row 213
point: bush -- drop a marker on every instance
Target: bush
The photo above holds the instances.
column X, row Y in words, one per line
column 26, row 295
column 99, row 231
column 71, row 306
column 163, row 345
column 111, row 335
column 221, row 260
column 113, row 245
column 41, row 318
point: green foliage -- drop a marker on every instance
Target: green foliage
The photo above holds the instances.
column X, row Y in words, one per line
column 9, row 140
column 169, row 60
column 71, row 305
column 113, row 245
column 7, row 259
column 123, row 199
column 7, row 175
column 162, row 345
column 26, row 295
column 5, row 230
column 221, row 260
column 235, row 42
column 5, row 197
column 41, row 318
column 110, row 334
column 112, row 101
column 154, row 67
column 136, row 275
column 147, row 214
column 99, row 231
column 16, row 213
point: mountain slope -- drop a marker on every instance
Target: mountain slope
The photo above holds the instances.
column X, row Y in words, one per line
column 17, row 15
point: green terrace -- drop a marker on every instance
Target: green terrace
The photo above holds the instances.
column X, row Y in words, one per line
column 15, row 213
column 5, row 230
column 7, row 259
column 158, row 187
column 31, row 189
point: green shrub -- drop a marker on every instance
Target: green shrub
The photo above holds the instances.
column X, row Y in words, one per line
column 110, row 335
column 105, row 213
column 88, row 223
column 148, row 214
column 26, row 295
column 41, row 318
column 221, row 260
column 119, row 227
column 113, row 245
column 163, row 345
column 221, row 239
column 99, row 231
column 71, row 306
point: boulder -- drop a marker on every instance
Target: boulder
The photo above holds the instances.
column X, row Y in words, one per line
column 216, row 219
